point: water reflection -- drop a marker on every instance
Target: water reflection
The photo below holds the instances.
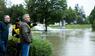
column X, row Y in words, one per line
column 73, row 42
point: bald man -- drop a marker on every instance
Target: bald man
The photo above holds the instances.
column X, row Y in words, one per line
column 4, row 31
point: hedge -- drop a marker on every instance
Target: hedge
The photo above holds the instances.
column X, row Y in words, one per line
column 39, row 47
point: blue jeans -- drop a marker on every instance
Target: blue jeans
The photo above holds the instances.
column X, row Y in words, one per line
column 3, row 48
column 25, row 49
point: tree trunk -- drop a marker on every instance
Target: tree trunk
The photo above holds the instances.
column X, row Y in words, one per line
column 45, row 25
column 93, row 26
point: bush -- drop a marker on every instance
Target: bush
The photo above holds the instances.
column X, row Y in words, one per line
column 38, row 47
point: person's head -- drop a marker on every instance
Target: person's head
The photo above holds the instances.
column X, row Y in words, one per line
column 7, row 18
column 17, row 22
column 26, row 18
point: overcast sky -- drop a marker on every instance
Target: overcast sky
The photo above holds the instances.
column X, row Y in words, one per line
column 88, row 5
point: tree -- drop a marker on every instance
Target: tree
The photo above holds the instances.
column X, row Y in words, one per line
column 70, row 15
column 92, row 19
column 2, row 8
column 80, row 14
column 47, row 11
column 16, row 11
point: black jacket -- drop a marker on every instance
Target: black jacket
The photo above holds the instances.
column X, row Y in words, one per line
column 4, row 31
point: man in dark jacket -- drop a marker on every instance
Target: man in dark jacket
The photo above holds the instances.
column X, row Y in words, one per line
column 4, row 32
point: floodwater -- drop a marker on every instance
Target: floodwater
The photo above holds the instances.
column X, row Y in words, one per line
column 72, row 42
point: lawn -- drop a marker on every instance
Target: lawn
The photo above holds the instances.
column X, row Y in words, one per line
column 78, row 26
column 74, row 26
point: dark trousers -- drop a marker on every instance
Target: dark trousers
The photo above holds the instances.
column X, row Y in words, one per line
column 3, row 48
column 18, row 48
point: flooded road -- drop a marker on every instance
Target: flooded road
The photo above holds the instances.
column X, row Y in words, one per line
column 73, row 42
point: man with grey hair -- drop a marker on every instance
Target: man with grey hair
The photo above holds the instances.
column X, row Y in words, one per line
column 4, row 31
column 25, row 33
column 26, row 18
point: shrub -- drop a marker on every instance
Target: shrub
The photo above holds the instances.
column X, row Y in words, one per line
column 38, row 47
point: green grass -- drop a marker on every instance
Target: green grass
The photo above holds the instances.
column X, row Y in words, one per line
column 74, row 26
column 78, row 26
column 56, row 27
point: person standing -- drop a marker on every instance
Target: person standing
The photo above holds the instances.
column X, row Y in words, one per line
column 4, row 32
column 16, row 36
column 25, row 33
